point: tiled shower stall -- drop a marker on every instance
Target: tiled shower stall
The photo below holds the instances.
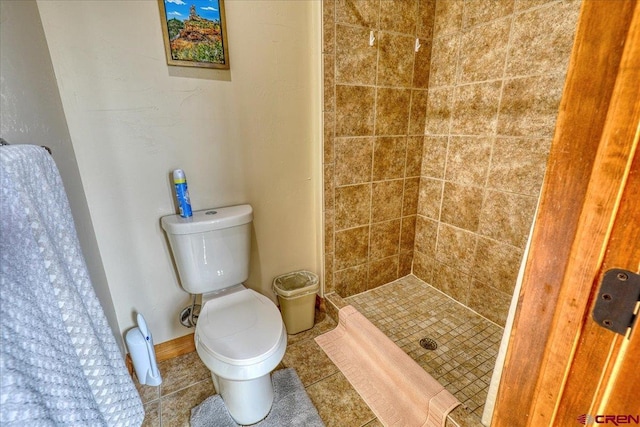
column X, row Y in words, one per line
column 434, row 157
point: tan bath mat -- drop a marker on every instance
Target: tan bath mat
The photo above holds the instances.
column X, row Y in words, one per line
column 396, row 388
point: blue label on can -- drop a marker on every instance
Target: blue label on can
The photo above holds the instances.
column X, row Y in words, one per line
column 184, row 203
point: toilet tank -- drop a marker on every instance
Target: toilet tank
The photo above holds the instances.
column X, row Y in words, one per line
column 211, row 248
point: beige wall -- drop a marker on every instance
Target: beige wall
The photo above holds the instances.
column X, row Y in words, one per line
column 487, row 118
column 31, row 113
column 248, row 135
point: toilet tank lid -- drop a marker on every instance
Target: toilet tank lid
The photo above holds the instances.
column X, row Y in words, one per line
column 208, row 220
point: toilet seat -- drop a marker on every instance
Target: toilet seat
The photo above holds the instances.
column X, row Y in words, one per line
column 240, row 335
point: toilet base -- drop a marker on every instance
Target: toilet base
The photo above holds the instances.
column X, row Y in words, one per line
column 247, row 401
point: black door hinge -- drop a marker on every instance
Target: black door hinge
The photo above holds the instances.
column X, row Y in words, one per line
column 618, row 301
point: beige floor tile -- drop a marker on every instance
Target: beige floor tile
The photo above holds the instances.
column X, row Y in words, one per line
column 152, row 414
column 338, row 403
column 309, row 360
column 147, row 393
column 182, row 371
column 176, row 407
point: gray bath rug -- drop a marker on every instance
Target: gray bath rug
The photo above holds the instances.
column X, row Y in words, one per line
column 291, row 406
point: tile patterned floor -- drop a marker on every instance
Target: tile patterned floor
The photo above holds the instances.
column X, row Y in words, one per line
column 406, row 310
column 409, row 310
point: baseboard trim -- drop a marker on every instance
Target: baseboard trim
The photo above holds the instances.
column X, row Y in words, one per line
column 168, row 350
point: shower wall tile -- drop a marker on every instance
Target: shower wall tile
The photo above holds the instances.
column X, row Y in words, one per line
column 529, row 105
column 363, row 13
column 489, row 302
column 418, row 114
column 545, row 34
column 329, row 227
column 386, row 200
column 423, row 266
column 407, row 233
column 483, row 51
column 383, row 271
column 422, row 64
column 456, row 247
column 329, row 191
column 439, row 107
column 355, row 59
column 392, row 111
column 389, row 157
column 497, row 264
column 475, row 109
column 328, row 273
column 384, row 239
column 507, row 217
column 410, row 196
column 481, row 11
column 414, row 156
column 426, row 236
column 430, row 198
column 448, row 17
column 496, row 77
column 354, row 110
column 468, row 160
column 426, row 15
column 405, row 263
column 461, row 206
column 434, row 156
column 395, row 61
column 399, row 16
column 518, row 165
column 452, row 282
column 353, row 206
column 438, row 153
column 352, row 247
column 329, row 90
column 329, row 123
column 353, row 160
column 328, row 26
column 351, row 281
column 444, row 57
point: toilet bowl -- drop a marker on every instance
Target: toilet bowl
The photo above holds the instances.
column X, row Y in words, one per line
column 240, row 335
column 241, row 338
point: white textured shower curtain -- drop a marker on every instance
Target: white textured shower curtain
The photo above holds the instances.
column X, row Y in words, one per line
column 59, row 362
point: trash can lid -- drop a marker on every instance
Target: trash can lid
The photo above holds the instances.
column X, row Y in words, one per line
column 296, row 283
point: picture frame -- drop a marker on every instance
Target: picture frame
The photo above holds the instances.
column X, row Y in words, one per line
column 195, row 33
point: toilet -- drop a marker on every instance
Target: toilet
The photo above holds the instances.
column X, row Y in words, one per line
column 240, row 335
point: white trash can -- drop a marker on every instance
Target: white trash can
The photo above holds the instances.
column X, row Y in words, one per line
column 297, row 297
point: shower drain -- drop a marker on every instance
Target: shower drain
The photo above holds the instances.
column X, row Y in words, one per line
column 428, row 343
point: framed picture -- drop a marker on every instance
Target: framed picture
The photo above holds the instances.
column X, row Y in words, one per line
column 195, row 33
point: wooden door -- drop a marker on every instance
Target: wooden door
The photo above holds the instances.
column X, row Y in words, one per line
column 560, row 364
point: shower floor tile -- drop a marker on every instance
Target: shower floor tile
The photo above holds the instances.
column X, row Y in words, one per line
column 408, row 310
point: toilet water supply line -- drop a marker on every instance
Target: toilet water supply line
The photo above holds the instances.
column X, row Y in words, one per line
column 189, row 315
